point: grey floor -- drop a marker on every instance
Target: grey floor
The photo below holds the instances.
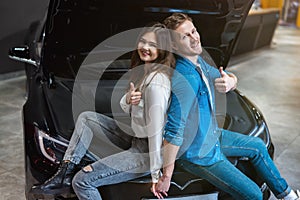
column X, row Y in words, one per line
column 269, row 77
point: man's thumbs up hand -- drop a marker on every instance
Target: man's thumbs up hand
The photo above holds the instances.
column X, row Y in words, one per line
column 133, row 97
column 223, row 74
column 226, row 82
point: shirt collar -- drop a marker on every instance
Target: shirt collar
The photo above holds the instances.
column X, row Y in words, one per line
column 200, row 60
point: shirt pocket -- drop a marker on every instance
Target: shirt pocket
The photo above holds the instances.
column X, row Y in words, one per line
column 203, row 98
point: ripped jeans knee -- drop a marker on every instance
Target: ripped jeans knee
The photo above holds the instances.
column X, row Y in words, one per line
column 87, row 169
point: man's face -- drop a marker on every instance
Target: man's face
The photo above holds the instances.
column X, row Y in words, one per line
column 188, row 40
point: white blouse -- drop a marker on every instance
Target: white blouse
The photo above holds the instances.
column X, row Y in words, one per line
column 149, row 117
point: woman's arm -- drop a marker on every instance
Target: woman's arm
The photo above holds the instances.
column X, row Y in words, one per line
column 182, row 100
column 156, row 102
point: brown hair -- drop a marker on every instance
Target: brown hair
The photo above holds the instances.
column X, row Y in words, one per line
column 165, row 60
column 176, row 19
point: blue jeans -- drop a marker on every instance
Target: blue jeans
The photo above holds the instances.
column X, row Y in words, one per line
column 106, row 140
column 225, row 176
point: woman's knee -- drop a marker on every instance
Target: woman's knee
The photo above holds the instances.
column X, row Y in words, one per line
column 85, row 115
column 77, row 182
column 84, row 178
column 80, row 181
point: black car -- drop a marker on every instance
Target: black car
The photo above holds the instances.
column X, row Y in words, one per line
column 67, row 40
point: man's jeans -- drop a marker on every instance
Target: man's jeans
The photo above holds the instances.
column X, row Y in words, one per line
column 228, row 178
column 103, row 137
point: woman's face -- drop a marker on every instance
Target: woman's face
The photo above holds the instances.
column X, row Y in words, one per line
column 147, row 47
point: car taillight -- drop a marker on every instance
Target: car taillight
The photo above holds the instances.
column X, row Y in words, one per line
column 50, row 147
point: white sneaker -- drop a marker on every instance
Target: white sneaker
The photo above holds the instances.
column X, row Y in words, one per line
column 298, row 194
column 293, row 195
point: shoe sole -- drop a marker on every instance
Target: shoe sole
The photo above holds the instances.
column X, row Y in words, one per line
column 52, row 192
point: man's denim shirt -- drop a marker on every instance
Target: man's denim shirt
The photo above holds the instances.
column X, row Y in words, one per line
column 191, row 121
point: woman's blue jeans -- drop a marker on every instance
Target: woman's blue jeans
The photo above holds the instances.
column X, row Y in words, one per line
column 106, row 140
column 228, row 178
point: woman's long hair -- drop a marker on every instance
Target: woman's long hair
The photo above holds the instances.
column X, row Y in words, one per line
column 165, row 61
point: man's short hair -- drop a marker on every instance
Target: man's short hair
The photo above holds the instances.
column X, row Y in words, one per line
column 175, row 20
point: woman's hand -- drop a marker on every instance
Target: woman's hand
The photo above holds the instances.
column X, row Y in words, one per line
column 157, row 193
column 161, row 188
column 133, row 97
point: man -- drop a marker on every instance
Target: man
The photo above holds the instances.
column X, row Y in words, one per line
column 192, row 128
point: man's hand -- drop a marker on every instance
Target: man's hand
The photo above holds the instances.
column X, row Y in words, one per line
column 133, row 97
column 226, row 82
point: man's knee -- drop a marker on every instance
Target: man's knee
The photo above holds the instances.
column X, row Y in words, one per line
column 259, row 144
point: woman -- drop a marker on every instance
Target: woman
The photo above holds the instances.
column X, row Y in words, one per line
column 147, row 101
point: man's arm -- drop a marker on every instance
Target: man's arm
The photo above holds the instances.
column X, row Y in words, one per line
column 169, row 154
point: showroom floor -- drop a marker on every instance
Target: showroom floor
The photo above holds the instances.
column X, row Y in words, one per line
column 269, row 77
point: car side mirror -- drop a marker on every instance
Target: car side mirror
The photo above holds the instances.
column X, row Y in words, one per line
column 21, row 53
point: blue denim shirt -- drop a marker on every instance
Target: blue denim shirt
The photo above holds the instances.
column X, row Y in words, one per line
column 191, row 121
